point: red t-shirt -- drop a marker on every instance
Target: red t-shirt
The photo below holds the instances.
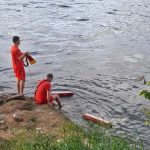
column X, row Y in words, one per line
column 16, row 53
column 41, row 92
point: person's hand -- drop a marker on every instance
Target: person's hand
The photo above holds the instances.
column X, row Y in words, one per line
column 50, row 105
column 27, row 53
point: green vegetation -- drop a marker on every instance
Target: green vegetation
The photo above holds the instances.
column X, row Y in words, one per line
column 145, row 93
column 146, row 111
column 73, row 138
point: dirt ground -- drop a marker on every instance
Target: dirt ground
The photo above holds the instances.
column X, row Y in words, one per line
column 19, row 115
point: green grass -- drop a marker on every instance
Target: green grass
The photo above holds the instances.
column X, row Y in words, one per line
column 146, row 111
column 73, row 138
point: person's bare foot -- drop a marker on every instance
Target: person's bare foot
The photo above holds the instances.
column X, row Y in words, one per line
column 60, row 107
column 20, row 94
column 51, row 105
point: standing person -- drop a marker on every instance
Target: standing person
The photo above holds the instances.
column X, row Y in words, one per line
column 18, row 64
column 43, row 92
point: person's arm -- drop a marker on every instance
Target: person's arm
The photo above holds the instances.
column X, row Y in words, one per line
column 23, row 56
column 48, row 96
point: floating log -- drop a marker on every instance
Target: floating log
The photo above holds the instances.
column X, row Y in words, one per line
column 97, row 120
column 62, row 93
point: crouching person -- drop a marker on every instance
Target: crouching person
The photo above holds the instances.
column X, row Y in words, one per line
column 43, row 92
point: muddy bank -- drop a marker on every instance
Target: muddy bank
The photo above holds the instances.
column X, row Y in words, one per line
column 18, row 116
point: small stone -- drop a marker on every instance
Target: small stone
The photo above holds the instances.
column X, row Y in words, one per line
column 38, row 110
column 38, row 129
column 2, row 121
column 17, row 117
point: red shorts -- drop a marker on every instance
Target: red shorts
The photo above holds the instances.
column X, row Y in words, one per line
column 51, row 99
column 44, row 101
column 20, row 73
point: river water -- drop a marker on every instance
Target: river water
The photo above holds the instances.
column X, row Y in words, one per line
column 97, row 49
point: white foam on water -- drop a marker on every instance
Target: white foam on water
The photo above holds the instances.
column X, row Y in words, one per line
column 130, row 59
column 138, row 56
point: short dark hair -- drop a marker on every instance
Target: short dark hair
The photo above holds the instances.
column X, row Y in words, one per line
column 16, row 38
column 49, row 76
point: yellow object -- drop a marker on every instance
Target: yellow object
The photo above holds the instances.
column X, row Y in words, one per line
column 31, row 60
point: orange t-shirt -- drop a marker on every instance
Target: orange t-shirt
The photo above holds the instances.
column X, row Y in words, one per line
column 41, row 92
column 16, row 53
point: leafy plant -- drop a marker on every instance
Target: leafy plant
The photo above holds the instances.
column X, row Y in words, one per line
column 145, row 93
